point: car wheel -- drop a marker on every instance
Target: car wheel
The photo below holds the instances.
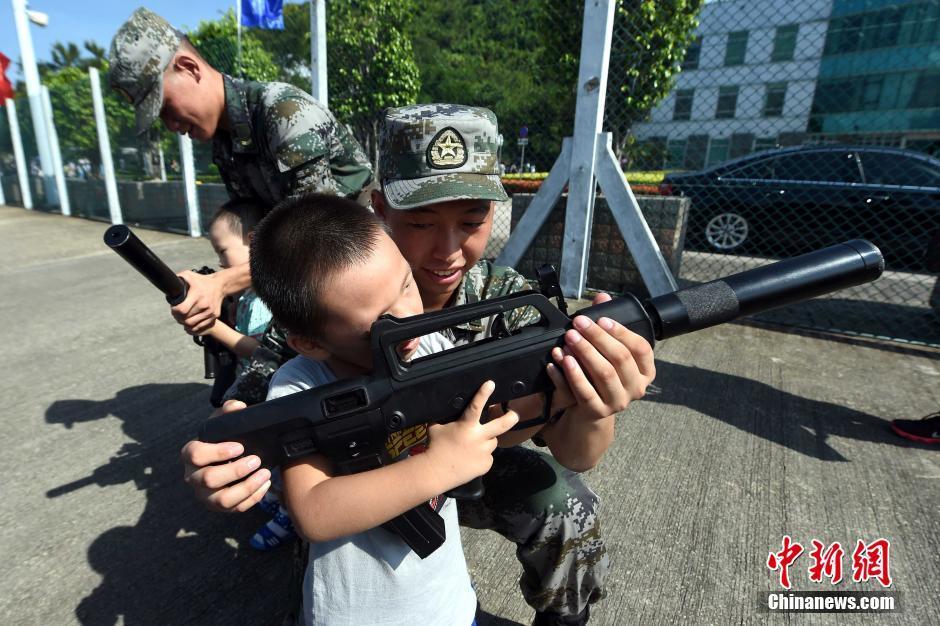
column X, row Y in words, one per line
column 726, row 231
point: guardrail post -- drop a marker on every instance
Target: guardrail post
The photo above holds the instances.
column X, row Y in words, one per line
column 22, row 174
column 104, row 146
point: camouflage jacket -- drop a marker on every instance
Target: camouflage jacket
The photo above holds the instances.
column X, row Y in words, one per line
column 483, row 281
column 282, row 142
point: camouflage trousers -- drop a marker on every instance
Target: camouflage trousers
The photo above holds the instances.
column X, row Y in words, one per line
column 551, row 516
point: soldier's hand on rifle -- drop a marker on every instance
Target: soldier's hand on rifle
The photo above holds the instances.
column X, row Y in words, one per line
column 602, row 368
column 231, row 487
column 463, row 449
column 203, row 303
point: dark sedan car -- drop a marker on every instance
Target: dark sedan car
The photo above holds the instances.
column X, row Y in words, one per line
column 788, row 201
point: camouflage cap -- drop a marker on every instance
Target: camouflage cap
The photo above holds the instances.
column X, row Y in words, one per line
column 140, row 52
column 439, row 152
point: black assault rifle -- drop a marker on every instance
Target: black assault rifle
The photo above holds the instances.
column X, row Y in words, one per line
column 349, row 420
column 218, row 361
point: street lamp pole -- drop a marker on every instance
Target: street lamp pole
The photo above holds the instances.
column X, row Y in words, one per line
column 34, row 94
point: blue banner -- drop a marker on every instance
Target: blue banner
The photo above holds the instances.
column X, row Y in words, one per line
column 263, row 14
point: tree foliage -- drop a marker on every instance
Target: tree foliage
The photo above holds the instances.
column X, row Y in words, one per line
column 517, row 57
column 217, row 40
column 649, row 41
column 492, row 53
column 520, row 58
column 655, row 36
column 370, row 62
column 70, row 94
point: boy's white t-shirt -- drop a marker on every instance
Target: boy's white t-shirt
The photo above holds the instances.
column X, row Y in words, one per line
column 373, row 577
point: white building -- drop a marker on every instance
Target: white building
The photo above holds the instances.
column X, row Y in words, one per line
column 747, row 82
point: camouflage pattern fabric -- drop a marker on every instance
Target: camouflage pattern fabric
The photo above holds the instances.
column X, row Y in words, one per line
column 251, row 386
column 140, row 51
column 437, row 153
column 282, row 143
column 552, row 517
column 482, row 282
column 545, row 509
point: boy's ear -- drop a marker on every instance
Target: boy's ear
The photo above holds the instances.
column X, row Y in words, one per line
column 308, row 347
column 249, row 237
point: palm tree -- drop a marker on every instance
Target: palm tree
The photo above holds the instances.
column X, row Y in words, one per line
column 65, row 55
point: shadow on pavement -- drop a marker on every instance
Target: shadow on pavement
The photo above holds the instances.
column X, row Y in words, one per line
column 179, row 564
column 866, row 318
column 488, row 619
column 799, row 423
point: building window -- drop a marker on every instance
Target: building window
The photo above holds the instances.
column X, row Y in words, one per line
column 683, row 109
column 765, row 143
column 692, row 54
column 717, row 151
column 844, row 35
column 784, row 43
column 871, row 93
column 736, row 48
column 920, row 23
column 727, row 102
column 773, row 102
column 675, row 157
column 926, row 93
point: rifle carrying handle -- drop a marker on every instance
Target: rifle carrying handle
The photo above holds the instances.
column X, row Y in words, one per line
column 122, row 240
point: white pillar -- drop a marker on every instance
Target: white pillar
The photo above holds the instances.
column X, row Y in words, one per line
column 104, row 147
column 31, row 77
column 588, row 118
column 189, row 184
column 318, row 50
column 162, row 162
column 3, row 198
column 17, row 140
column 57, row 169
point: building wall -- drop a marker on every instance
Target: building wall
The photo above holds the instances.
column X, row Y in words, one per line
column 880, row 70
column 760, row 19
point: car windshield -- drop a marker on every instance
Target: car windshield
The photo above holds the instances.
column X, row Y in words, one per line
column 882, row 168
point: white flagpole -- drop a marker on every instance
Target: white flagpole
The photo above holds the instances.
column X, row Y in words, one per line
column 238, row 21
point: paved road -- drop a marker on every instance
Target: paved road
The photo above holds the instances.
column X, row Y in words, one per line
column 753, row 434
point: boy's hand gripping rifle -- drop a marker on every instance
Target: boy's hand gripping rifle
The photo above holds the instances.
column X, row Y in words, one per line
column 218, row 361
column 349, row 420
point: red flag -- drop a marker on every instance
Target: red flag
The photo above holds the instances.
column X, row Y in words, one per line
column 6, row 89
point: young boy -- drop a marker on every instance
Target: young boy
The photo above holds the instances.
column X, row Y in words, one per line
column 328, row 269
column 230, row 231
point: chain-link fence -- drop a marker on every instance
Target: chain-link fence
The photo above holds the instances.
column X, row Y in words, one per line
column 796, row 125
column 788, row 125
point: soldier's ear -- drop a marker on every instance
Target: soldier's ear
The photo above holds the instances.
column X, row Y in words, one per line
column 308, row 347
column 378, row 204
column 187, row 64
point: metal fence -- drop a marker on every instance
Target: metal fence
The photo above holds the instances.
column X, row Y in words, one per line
column 796, row 125
column 790, row 125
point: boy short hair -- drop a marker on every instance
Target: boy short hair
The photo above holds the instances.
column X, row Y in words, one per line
column 241, row 215
column 299, row 246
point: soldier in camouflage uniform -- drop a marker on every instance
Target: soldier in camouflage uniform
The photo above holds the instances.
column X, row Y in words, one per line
column 269, row 140
column 438, row 168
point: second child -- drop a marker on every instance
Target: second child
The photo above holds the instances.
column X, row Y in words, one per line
column 230, row 231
